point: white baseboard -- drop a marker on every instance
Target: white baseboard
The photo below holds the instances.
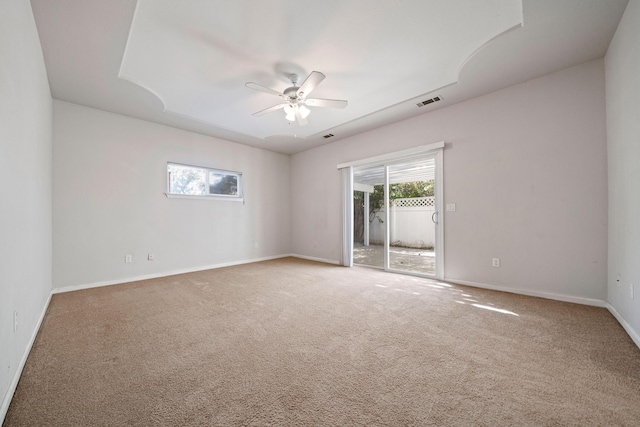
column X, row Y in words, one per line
column 310, row 258
column 6, row 401
column 547, row 295
column 627, row 327
column 163, row 274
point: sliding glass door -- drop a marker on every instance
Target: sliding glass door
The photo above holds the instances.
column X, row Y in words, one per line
column 412, row 217
column 368, row 216
column 396, row 221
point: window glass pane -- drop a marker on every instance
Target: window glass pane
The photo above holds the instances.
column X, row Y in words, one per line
column 187, row 180
column 202, row 181
column 224, row 184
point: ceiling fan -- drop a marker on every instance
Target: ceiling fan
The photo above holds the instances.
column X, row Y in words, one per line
column 295, row 98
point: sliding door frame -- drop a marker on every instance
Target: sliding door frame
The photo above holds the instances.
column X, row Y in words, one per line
column 434, row 150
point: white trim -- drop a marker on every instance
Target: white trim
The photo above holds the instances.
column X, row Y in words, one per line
column 396, row 155
column 6, row 401
column 439, row 208
column 311, row 258
column 546, row 295
column 387, row 220
column 347, row 216
column 365, row 219
column 183, row 271
column 164, row 274
column 627, row 327
column 217, row 197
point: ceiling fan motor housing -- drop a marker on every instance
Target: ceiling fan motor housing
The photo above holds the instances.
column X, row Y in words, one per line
column 291, row 92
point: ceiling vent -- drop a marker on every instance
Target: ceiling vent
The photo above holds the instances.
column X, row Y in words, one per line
column 429, row 101
column 329, row 135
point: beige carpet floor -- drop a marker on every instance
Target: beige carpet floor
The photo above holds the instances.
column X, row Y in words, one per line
column 297, row 343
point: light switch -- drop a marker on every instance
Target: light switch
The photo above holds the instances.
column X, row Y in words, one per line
column 451, row 207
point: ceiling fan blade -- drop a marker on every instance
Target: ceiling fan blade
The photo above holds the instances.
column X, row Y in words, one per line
column 302, row 121
column 331, row 103
column 264, row 89
column 310, row 83
column 269, row 110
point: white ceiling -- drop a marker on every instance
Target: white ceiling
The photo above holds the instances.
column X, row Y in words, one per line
column 184, row 63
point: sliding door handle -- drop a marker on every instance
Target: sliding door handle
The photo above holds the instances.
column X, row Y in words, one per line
column 434, row 217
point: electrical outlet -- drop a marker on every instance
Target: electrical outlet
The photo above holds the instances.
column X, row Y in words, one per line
column 15, row 321
column 256, row 245
column 631, row 290
column 151, row 256
column 128, row 258
column 495, row 262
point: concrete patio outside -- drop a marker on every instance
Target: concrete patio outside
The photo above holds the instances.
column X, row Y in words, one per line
column 406, row 259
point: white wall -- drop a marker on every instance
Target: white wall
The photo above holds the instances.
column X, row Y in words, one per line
column 622, row 70
column 526, row 167
column 109, row 179
column 25, row 189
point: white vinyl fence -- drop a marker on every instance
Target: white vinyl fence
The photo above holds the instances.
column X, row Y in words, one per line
column 411, row 223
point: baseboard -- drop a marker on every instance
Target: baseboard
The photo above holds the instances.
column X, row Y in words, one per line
column 547, row 295
column 6, row 401
column 311, row 258
column 627, row 327
column 163, row 274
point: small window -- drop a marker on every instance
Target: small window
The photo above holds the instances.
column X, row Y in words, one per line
column 184, row 180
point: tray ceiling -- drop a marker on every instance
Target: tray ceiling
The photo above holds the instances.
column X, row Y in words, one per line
column 184, row 63
column 195, row 56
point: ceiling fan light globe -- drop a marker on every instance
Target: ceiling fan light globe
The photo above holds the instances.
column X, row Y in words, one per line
column 304, row 111
column 291, row 117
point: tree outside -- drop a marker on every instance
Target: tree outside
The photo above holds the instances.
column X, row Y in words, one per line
column 223, row 184
column 187, row 180
column 192, row 181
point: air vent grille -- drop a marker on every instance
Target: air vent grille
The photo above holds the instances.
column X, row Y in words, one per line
column 429, row 101
column 329, row 135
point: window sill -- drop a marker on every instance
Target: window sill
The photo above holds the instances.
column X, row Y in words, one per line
column 221, row 198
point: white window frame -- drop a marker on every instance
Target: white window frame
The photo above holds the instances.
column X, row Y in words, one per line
column 229, row 197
